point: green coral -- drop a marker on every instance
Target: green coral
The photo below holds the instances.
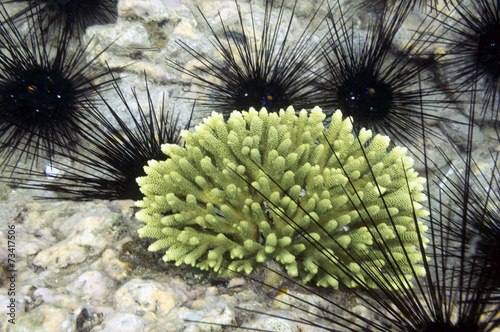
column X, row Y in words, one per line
column 247, row 191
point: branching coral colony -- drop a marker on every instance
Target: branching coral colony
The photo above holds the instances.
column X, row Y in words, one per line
column 332, row 207
column 205, row 204
column 460, row 289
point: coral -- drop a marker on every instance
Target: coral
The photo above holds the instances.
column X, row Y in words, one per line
column 247, row 191
column 461, row 290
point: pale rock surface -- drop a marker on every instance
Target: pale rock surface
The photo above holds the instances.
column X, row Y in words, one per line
column 93, row 285
column 72, row 270
column 139, row 296
column 60, row 255
column 113, row 266
column 121, row 321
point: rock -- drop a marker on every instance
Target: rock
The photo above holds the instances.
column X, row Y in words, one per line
column 275, row 324
column 211, row 291
column 92, row 285
column 236, row 282
column 138, row 296
column 458, row 131
column 91, row 231
column 56, row 297
column 31, row 244
column 123, row 322
column 60, row 256
column 153, row 9
column 87, row 319
column 216, row 312
column 114, row 267
column 45, row 318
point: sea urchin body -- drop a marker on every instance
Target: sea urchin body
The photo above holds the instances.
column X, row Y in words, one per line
column 273, row 72
column 42, row 90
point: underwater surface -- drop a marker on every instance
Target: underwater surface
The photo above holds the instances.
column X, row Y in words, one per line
column 71, row 255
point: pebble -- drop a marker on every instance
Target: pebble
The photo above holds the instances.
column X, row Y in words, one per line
column 56, row 296
column 31, row 244
column 60, row 255
column 93, row 285
column 114, row 267
column 139, row 296
column 236, row 282
column 46, row 317
column 123, row 322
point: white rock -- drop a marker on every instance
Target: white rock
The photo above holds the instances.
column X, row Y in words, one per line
column 45, row 318
column 92, row 285
column 217, row 313
column 236, row 282
column 60, row 255
column 113, row 266
column 149, row 10
column 51, row 171
column 123, row 322
column 55, row 296
column 140, row 296
column 119, row 40
column 152, row 9
column 31, row 244
column 95, row 220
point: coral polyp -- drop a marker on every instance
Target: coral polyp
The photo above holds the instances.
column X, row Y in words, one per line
column 266, row 186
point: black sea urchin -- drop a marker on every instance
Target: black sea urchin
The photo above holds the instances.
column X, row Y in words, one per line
column 477, row 197
column 42, row 89
column 474, row 219
column 472, row 41
column 258, row 68
column 107, row 163
column 380, row 89
column 72, row 15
